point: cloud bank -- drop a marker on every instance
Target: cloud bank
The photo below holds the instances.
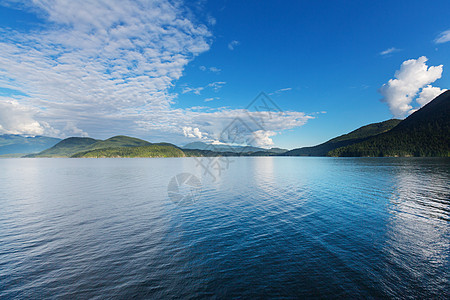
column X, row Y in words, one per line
column 107, row 67
column 411, row 80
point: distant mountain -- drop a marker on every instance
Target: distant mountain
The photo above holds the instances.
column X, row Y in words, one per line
column 227, row 148
column 197, row 146
column 424, row 133
column 356, row 136
column 13, row 144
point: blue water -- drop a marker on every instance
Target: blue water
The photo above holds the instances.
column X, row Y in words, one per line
column 283, row 227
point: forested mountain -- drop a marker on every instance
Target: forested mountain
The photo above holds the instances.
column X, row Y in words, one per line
column 424, row 133
column 356, row 136
column 66, row 147
column 152, row 150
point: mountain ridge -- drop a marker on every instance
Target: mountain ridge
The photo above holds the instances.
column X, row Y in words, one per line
column 424, row 133
column 358, row 135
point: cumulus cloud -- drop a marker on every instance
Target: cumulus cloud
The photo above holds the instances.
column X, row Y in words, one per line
column 413, row 76
column 443, row 37
column 193, row 132
column 233, row 44
column 262, row 138
column 428, row 93
column 19, row 119
column 389, row 51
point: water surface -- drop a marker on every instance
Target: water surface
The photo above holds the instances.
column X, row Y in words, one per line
column 266, row 227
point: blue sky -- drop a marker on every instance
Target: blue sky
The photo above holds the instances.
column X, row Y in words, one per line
column 182, row 71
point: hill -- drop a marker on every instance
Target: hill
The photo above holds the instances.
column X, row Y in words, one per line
column 14, row 143
column 139, row 151
column 356, row 136
column 426, row 132
column 70, row 146
column 118, row 141
column 66, row 147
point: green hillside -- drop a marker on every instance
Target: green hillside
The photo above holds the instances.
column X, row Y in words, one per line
column 11, row 144
column 356, row 136
column 424, row 133
column 118, row 141
column 70, row 146
column 66, row 147
column 140, row 151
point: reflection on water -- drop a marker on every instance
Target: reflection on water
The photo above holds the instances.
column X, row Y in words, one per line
column 418, row 233
column 267, row 227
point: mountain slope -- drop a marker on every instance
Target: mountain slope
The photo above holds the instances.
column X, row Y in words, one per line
column 139, row 151
column 356, row 136
column 13, row 143
column 70, row 146
column 118, row 141
column 424, row 133
column 66, row 147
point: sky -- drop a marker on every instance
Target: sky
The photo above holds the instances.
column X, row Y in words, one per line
column 268, row 73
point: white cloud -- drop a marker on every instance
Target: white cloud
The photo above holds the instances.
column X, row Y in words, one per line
column 19, row 119
column 414, row 74
column 103, row 60
column 233, row 44
column 389, row 51
column 280, row 91
column 193, row 132
column 428, row 93
column 236, row 126
column 211, row 21
column 211, row 69
column 263, row 138
column 71, row 129
column 211, row 99
column 443, row 37
column 216, row 86
column 107, row 67
column 196, row 91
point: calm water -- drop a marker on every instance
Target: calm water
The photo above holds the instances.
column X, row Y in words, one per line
column 267, row 227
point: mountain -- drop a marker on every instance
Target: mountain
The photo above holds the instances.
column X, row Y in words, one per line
column 197, row 146
column 13, row 143
column 356, row 136
column 152, row 150
column 73, row 145
column 226, row 148
column 118, row 141
column 66, row 147
column 426, row 132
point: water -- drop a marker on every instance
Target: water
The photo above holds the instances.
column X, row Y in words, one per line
column 268, row 227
